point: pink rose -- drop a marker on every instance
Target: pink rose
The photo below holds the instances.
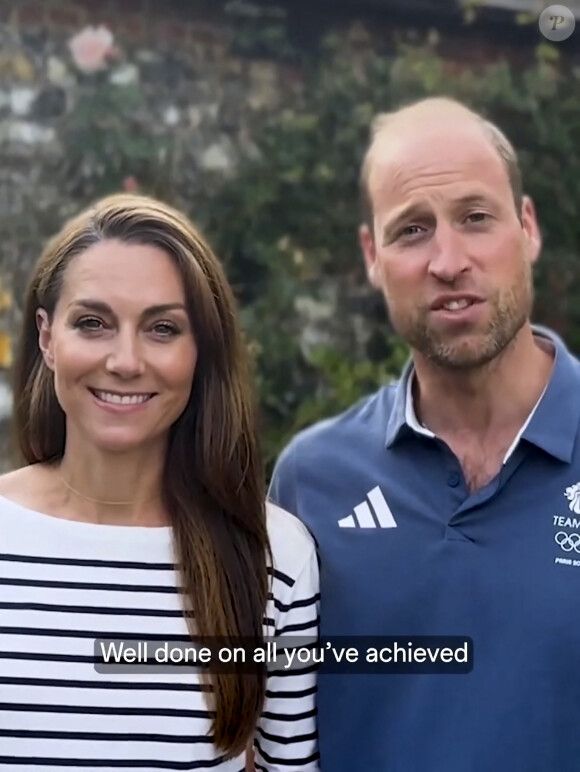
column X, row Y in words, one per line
column 130, row 184
column 91, row 47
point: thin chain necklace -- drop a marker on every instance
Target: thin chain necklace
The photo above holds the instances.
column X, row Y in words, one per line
column 100, row 501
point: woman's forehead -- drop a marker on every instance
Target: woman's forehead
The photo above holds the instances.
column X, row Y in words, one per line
column 112, row 268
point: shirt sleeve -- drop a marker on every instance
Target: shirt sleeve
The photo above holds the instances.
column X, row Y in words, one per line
column 286, row 736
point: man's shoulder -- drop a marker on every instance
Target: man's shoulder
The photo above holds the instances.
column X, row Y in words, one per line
column 326, row 455
column 364, row 420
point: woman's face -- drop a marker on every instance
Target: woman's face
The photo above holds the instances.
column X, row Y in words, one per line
column 121, row 346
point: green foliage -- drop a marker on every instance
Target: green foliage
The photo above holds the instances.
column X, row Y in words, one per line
column 346, row 381
column 108, row 138
column 259, row 30
column 287, row 224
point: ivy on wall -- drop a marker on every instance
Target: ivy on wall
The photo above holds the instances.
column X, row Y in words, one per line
column 286, row 223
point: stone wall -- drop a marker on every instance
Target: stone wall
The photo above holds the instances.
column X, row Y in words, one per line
column 197, row 102
column 169, row 104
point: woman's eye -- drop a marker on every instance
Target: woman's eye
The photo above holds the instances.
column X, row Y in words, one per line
column 88, row 323
column 165, row 329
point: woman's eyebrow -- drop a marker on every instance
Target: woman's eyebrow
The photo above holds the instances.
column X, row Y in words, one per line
column 104, row 308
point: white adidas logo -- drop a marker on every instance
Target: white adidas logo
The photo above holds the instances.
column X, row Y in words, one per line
column 363, row 515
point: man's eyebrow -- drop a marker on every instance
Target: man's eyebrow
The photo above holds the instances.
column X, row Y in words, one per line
column 473, row 199
column 402, row 215
column 98, row 306
column 419, row 209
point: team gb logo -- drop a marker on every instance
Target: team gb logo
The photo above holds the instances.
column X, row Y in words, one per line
column 573, row 495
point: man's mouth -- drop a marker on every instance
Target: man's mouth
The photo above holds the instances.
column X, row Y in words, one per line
column 455, row 302
column 457, row 305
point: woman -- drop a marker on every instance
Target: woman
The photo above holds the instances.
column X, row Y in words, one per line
column 140, row 515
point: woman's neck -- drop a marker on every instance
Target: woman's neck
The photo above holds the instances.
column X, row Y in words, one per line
column 113, row 488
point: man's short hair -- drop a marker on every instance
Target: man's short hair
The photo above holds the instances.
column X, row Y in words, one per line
column 499, row 141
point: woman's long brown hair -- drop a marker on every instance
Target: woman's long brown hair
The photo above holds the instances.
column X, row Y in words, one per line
column 213, row 484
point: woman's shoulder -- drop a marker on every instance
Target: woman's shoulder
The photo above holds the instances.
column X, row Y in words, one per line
column 291, row 542
column 22, row 523
column 21, row 486
column 16, row 484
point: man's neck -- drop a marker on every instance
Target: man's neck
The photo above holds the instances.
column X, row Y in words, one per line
column 497, row 397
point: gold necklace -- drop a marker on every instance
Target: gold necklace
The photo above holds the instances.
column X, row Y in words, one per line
column 100, row 501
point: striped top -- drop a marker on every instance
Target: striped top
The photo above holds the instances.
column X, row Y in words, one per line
column 65, row 584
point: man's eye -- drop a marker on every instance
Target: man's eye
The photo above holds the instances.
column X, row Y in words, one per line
column 409, row 231
column 477, row 216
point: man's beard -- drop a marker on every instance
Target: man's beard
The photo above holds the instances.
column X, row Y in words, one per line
column 473, row 348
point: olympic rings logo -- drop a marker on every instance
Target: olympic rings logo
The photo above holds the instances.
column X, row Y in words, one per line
column 568, row 542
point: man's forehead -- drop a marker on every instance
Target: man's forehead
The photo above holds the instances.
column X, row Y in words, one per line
column 400, row 164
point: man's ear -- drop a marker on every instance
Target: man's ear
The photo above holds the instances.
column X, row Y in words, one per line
column 367, row 245
column 531, row 229
column 45, row 337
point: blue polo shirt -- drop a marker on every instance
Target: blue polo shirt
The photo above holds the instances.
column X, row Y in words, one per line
column 406, row 550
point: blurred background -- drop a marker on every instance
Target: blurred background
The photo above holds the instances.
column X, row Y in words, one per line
column 253, row 118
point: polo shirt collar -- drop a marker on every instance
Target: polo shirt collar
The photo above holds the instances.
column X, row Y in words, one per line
column 402, row 420
column 552, row 426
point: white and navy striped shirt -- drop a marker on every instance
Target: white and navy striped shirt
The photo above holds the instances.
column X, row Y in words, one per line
column 64, row 584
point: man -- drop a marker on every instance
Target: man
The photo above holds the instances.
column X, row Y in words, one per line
column 448, row 503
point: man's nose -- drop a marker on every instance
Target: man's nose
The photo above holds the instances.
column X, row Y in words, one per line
column 449, row 256
column 125, row 358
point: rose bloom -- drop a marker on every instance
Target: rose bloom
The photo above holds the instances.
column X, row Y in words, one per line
column 130, row 184
column 91, row 47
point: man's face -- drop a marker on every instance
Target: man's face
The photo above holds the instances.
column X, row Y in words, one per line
column 448, row 250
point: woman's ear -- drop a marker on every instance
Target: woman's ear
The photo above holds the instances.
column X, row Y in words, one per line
column 45, row 337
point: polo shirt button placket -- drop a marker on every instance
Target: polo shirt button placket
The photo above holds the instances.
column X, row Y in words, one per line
column 453, row 479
